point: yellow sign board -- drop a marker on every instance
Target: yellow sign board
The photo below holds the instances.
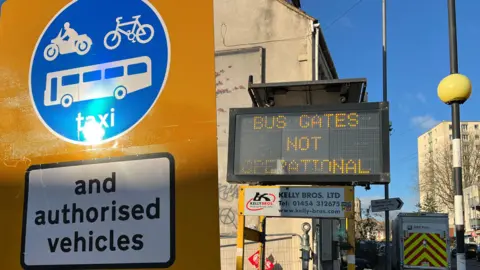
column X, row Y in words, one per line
column 108, row 135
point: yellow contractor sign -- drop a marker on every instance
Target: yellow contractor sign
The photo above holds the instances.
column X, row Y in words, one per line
column 106, row 148
column 295, row 201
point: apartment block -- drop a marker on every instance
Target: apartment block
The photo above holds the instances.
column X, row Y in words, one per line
column 471, row 201
column 437, row 141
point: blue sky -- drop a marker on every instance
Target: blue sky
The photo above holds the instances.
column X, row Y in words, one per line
column 418, row 58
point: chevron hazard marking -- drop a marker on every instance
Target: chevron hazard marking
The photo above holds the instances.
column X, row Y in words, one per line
column 425, row 249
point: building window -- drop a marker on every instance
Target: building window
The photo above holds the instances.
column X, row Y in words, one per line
column 465, row 137
column 478, row 148
column 475, row 126
column 450, row 127
column 477, row 137
column 464, row 127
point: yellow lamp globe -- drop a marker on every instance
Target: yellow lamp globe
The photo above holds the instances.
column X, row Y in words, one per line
column 454, row 88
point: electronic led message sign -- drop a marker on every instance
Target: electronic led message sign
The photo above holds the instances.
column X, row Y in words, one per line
column 342, row 143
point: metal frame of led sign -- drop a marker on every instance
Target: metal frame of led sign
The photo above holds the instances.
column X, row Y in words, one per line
column 307, row 179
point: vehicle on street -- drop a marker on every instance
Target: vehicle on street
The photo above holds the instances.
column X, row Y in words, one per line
column 362, row 264
column 477, row 254
column 381, row 251
column 471, row 251
column 420, row 240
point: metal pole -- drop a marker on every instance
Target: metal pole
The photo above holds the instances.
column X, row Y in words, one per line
column 384, row 47
column 457, row 178
column 262, row 226
column 316, row 223
column 351, row 237
column 240, row 231
column 385, row 99
column 387, row 233
column 318, row 246
column 452, row 34
column 456, row 143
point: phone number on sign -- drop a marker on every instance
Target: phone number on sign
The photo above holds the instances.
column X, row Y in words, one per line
column 311, row 203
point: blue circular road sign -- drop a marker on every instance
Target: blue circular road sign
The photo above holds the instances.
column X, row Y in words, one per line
column 98, row 68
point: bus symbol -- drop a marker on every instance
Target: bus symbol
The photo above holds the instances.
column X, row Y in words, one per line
column 112, row 79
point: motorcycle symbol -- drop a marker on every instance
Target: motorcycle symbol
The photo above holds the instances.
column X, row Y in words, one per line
column 81, row 45
column 142, row 33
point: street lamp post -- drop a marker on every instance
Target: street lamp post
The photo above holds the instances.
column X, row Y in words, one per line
column 454, row 90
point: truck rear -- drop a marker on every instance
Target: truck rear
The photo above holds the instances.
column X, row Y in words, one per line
column 421, row 241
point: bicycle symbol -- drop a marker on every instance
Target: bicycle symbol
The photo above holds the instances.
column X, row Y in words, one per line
column 138, row 32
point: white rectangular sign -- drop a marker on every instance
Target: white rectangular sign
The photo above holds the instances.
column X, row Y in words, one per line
column 296, row 202
column 105, row 213
column 391, row 204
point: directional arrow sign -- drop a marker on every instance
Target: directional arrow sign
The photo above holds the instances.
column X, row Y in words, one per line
column 391, row 204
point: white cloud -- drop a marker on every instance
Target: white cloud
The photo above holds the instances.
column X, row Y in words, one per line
column 421, row 97
column 424, row 121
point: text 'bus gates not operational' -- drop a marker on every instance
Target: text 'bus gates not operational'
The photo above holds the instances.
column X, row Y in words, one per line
column 328, row 144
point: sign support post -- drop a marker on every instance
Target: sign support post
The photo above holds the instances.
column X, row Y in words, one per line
column 244, row 233
column 262, row 221
column 351, row 240
column 240, row 242
column 350, row 226
column 240, row 232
